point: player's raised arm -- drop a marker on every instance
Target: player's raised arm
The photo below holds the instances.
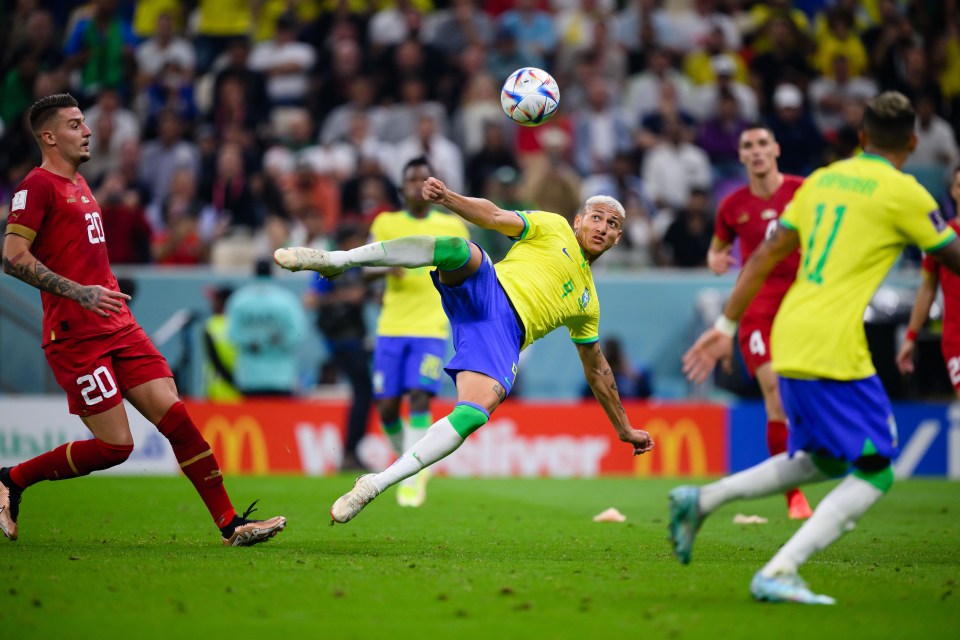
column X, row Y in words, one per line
column 716, row 342
column 599, row 376
column 23, row 265
column 479, row 211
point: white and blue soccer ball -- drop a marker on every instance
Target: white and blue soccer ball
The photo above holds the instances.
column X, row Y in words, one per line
column 530, row 96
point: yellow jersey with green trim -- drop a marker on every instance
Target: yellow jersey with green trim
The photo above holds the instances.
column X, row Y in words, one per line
column 549, row 281
column 411, row 304
column 854, row 217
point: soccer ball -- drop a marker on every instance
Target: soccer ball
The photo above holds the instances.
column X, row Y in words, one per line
column 530, row 96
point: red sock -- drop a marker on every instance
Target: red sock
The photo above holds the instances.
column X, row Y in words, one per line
column 70, row 460
column 776, row 436
column 197, row 461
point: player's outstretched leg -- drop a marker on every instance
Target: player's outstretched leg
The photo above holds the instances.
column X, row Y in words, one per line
column 448, row 253
column 10, row 496
column 442, row 439
column 241, row 532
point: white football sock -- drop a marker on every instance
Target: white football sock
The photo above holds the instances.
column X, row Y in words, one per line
column 835, row 515
column 439, row 441
column 773, row 475
column 411, row 436
column 413, row 251
column 397, row 440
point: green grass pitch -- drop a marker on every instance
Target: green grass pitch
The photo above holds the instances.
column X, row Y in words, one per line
column 493, row 559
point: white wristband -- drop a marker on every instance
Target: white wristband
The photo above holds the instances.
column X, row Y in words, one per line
column 725, row 325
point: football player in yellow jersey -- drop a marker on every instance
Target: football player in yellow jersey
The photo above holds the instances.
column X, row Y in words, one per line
column 850, row 220
column 412, row 329
column 544, row 282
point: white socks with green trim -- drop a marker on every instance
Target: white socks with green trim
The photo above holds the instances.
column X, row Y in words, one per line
column 776, row 474
column 410, row 252
column 835, row 515
column 438, row 442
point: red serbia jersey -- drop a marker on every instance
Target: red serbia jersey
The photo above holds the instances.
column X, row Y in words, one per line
column 66, row 227
column 950, row 283
column 752, row 219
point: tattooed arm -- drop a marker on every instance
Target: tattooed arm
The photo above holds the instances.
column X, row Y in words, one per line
column 599, row 376
column 23, row 265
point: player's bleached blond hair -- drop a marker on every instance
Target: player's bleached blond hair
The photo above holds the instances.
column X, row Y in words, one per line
column 605, row 201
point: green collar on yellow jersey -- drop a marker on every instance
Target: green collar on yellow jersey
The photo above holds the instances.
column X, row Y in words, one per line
column 873, row 156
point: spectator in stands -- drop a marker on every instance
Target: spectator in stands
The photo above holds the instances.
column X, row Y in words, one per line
column 247, row 104
column 428, row 141
column 720, row 137
column 231, row 194
column 708, row 94
column 549, row 180
column 674, row 166
column 914, row 78
column 699, row 65
column 840, row 39
column 506, row 55
column 493, row 154
column 936, row 152
column 147, row 12
column 363, row 96
column 533, row 30
column 451, row 30
column 335, row 76
column 179, row 240
column 479, row 106
column 318, row 193
column 368, row 192
column 829, row 95
column 220, row 23
column 393, row 24
column 125, row 227
column 687, row 240
column 601, row 129
column 643, row 93
column 161, row 158
column 37, row 41
column 267, row 325
column 113, row 126
column 785, row 62
column 101, row 48
column 801, row 145
column 286, row 63
column 165, row 52
column 645, row 23
column 401, row 119
column 602, row 60
column 697, row 19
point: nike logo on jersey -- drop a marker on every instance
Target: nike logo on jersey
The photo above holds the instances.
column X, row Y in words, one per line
column 564, row 249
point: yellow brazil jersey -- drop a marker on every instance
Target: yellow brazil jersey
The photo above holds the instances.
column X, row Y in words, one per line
column 549, row 281
column 854, row 218
column 411, row 304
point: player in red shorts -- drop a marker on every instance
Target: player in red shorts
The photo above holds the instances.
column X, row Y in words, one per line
column 97, row 351
column 936, row 274
column 751, row 213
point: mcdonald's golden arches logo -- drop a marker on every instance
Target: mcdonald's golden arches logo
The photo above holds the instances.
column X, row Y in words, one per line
column 672, row 441
column 233, row 439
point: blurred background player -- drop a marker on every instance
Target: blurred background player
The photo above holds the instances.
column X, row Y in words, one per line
column 340, row 304
column 412, row 330
column 98, row 353
column 851, row 221
column 751, row 213
column 267, row 325
column 545, row 281
column 935, row 274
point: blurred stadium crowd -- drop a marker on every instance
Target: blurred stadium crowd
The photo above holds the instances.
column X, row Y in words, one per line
column 223, row 129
